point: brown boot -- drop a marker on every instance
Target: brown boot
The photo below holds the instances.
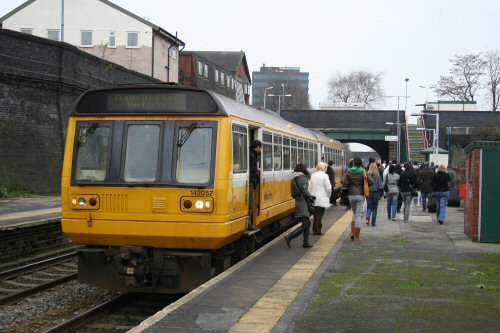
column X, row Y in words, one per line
column 357, row 231
column 352, row 230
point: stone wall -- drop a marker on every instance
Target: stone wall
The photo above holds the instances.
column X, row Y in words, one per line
column 39, row 81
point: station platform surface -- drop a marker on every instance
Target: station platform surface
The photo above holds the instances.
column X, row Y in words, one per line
column 403, row 277
column 24, row 210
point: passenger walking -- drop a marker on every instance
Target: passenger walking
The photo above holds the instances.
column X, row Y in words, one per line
column 376, row 189
column 300, row 191
column 254, row 181
column 321, row 188
column 344, row 197
column 331, row 175
column 354, row 182
column 441, row 192
column 425, row 177
column 407, row 183
column 399, row 170
column 391, row 180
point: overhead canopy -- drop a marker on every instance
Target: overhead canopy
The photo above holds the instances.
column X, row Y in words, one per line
column 430, row 150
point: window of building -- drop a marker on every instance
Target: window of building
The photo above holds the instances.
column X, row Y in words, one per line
column 53, row 34
column 173, row 52
column 112, row 39
column 228, row 82
column 217, row 76
column 240, row 149
column 132, row 39
column 200, row 67
column 222, row 78
column 205, row 71
column 28, row 31
column 86, row 38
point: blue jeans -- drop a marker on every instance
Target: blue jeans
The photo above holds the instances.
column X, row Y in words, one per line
column 442, row 202
column 425, row 195
column 392, row 204
column 372, row 206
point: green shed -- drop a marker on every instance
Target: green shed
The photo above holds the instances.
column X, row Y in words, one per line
column 482, row 221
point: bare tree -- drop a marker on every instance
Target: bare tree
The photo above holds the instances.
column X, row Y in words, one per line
column 493, row 77
column 299, row 99
column 356, row 87
column 464, row 79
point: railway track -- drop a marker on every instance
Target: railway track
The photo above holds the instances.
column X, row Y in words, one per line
column 21, row 282
column 119, row 314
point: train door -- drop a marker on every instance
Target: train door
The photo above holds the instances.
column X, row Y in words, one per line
column 254, row 191
column 240, row 179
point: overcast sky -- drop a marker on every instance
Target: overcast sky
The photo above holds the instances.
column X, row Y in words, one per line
column 401, row 39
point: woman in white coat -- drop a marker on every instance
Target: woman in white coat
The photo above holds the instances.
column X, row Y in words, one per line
column 321, row 188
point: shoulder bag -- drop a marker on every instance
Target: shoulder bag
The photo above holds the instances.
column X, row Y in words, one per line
column 366, row 186
column 309, row 200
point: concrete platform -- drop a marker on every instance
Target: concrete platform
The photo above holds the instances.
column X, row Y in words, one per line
column 18, row 211
column 403, row 277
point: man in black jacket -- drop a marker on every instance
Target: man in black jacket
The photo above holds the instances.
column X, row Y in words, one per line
column 255, row 150
column 331, row 176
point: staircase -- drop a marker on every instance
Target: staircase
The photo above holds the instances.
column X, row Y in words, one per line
column 416, row 143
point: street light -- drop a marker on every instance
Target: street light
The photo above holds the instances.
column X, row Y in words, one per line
column 265, row 91
column 279, row 97
column 398, row 123
column 436, row 136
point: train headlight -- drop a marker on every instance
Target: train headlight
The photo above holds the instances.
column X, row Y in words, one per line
column 197, row 204
column 85, row 201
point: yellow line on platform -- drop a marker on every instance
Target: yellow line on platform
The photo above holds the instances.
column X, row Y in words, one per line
column 42, row 212
column 266, row 312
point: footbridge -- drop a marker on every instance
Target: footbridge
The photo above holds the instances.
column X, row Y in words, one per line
column 370, row 127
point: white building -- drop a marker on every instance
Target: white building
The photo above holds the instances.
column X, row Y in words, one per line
column 103, row 29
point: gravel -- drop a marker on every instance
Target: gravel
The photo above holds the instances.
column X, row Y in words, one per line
column 49, row 308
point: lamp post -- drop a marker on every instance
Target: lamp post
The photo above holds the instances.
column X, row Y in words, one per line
column 398, row 123
column 436, row 136
column 279, row 97
column 265, row 91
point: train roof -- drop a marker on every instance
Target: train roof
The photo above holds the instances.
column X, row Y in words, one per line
column 156, row 96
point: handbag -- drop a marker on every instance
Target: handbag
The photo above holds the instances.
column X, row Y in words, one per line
column 414, row 193
column 309, row 200
column 386, row 187
column 366, row 186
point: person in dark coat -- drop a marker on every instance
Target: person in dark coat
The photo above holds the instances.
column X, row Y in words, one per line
column 441, row 192
column 399, row 170
column 424, row 181
column 407, row 183
column 255, row 150
column 331, row 176
column 300, row 191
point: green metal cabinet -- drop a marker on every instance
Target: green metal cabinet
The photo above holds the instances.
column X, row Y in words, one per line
column 482, row 217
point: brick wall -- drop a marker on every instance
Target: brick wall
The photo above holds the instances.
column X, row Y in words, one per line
column 472, row 181
column 39, row 82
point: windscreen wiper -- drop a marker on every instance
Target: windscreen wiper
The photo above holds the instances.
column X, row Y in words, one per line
column 186, row 135
column 88, row 131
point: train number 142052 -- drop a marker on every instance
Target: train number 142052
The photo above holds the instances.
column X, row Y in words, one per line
column 202, row 193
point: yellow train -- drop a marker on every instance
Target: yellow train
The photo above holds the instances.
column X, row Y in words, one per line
column 155, row 183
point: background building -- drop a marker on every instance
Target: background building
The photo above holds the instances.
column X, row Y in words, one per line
column 103, row 29
column 275, row 83
column 224, row 72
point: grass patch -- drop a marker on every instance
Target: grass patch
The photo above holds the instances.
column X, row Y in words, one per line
column 400, row 241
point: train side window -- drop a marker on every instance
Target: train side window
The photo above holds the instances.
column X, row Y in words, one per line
column 240, row 149
column 300, row 152
column 315, row 153
column 286, row 153
column 142, row 153
column 306, row 154
column 293, row 153
column 267, row 151
column 93, row 152
column 277, row 148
